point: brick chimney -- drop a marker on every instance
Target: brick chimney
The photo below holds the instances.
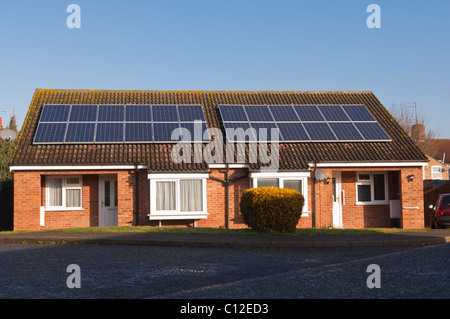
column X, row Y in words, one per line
column 418, row 132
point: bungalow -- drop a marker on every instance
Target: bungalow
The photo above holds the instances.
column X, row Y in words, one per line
column 90, row 158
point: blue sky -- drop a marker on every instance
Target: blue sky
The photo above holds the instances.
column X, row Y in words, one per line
column 229, row 45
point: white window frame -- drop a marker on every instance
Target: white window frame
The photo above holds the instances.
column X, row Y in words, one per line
column 65, row 186
column 282, row 177
column 155, row 214
column 433, row 174
column 370, row 182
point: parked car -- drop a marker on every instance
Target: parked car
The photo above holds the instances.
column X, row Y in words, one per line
column 440, row 217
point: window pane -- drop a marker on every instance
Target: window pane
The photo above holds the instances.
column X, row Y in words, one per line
column 73, row 198
column 165, row 195
column 293, row 184
column 364, row 193
column 55, row 192
column 378, row 187
column 115, row 193
column 107, row 193
column 267, row 182
column 191, row 195
column 364, row 177
column 73, row 180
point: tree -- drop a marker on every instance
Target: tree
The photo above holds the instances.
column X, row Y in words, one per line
column 6, row 150
column 409, row 121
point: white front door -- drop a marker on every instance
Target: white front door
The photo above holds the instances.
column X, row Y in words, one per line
column 337, row 200
column 107, row 201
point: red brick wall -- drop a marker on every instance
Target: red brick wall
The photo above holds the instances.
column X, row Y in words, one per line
column 29, row 187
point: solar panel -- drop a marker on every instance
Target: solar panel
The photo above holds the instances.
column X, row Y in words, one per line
column 80, row 133
column 263, row 131
column 358, row 113
column 319, row 131
column 138, row 132
column 371, row 131
column 55, row 113
column 293, row 132
column 284, row 113
column 83, row 113
column 138, row 113
column 346, row 131
column 302, row 123
column 232, row 113
column 333, row 113
column 118, row 123
column 239, row 132
column 50, row 133
column 191, row 113
column 165, row 113
column 109, row 132
column 258, row 113
column 308, row 113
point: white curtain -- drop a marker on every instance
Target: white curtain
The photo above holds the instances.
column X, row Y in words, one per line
column 73, row 198
column 55, row 198
column 191, row 198
column 165, row 195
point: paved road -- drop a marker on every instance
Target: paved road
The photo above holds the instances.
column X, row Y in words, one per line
column 40, row 271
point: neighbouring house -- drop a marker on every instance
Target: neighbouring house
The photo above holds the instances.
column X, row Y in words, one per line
column 90, row 158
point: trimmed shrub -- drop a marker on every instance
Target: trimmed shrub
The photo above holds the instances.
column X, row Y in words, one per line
column 272, row 209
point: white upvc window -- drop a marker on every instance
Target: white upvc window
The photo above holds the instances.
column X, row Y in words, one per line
column 372, row 188
column 177, row 196
column 64, row 192
column 296, row 181
column 436, row 172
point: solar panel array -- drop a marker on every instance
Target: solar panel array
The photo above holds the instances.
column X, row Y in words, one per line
column 130, row 123
column 301, row 123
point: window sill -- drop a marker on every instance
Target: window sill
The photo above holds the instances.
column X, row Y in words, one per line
column 372, row 204
column 62, row 209
column 177, row 215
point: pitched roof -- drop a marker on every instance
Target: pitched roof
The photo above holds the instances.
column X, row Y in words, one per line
column 293, row 156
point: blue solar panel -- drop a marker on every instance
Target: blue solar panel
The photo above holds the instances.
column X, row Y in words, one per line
column 54, row 113
column 333, row 113
column 258, row 113
column 83, row 113
column 138, row 113
column 138, row 132
column 110, row 113
column 239, row 132
column 358, row 113
column 109, row 132
column 232, row 113
column 191, row 113
column 162, row 132
column 284, row 113
column 319, row 131
column 165, row 113
column 345, row 131
column 50, row 133
column 80, row 133
column 371, row 131
column 308, row 113
column 292, row 132
column 264, row 131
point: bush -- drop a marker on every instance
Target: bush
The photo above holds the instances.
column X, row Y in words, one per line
column 272, row 209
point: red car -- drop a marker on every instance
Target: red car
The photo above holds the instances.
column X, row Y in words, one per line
column 440, row 217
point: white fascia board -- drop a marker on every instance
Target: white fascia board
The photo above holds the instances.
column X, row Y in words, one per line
column 75, row 167
column 279, row 174
column 177, row 175
column 371, row 164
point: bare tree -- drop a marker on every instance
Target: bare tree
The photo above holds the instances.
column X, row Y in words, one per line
column 413, row 121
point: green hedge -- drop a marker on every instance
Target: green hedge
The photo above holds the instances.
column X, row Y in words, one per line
column 271, row 208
